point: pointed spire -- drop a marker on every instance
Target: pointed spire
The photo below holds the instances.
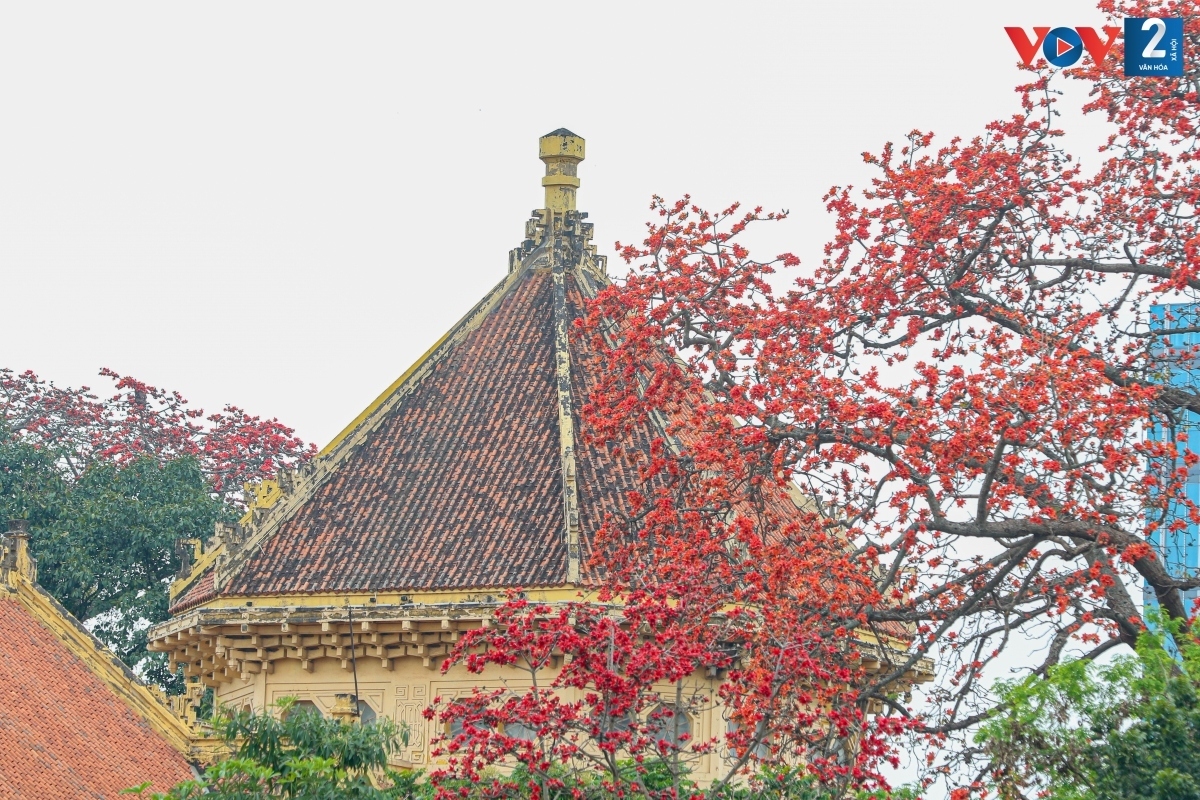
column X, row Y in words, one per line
column 561, row 151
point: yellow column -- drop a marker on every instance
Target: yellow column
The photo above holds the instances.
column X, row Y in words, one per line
column 561, row 151
column 345, row 708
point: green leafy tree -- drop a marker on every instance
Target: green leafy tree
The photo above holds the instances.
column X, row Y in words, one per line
column 105, row 541
column 796, row 783
column 1129, row 729
column 31, row 486
column 110, row 554
column 651, row 777
column 298, row 754
column 109, row 485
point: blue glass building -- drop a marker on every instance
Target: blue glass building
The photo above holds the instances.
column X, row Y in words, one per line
column 1180, row 550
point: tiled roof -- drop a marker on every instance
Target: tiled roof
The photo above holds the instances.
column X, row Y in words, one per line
column 63, row 733
column 604, row 478
column 203, row 589
column 459, row 485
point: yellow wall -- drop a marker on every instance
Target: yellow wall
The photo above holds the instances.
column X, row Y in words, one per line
column 404, row 692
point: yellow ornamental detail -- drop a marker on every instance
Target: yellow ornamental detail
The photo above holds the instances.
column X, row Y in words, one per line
column 263, row 494
column 561, row 151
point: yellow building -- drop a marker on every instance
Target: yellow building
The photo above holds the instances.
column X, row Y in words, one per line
column 466, row 477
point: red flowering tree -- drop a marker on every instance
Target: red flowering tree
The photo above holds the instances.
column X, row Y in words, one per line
column 140, row 420
column 982, row 392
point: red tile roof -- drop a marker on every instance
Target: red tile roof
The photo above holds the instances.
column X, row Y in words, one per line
column 63, row 733
column 605, row 479
column 202, row 590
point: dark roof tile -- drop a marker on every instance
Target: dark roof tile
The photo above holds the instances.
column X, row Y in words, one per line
column 457, row 488
column 202, row 590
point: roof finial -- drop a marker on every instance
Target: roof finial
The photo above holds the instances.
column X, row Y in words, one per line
column 562, row 151
column 16, row 556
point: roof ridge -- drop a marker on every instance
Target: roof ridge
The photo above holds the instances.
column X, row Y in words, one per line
column 566, row 421
column 465, row 325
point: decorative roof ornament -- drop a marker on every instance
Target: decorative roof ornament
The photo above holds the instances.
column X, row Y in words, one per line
column 561, row 151
column 558, row 233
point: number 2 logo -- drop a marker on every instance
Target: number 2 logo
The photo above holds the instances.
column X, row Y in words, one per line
column 1160, row 30
column 1153, row 46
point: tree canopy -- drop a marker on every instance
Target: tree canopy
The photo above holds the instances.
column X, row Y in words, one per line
column 109, row 485
column 298, row 754
column 81, row 428
column 963, row 390
column 1125, row 730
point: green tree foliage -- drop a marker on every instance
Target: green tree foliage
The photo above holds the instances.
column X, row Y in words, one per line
column 109, row 484
column 1129, row 729
column 796, row 783
column 654, row 775
column 298, row 754
column 30, row 484
column 105, row 541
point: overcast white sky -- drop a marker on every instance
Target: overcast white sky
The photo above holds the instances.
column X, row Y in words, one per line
column 281, row 205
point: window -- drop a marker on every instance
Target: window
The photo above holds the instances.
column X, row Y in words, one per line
column 366, row 714
column 613, row 726
column 671, row 724
column 762, row 750
column 519, row 730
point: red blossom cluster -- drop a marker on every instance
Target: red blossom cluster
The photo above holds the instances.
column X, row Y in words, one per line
column 720, row 599
column 984, row 416
column 231, row 446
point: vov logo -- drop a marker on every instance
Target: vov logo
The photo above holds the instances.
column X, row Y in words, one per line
column 1153, row 45
column 1063, row 47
